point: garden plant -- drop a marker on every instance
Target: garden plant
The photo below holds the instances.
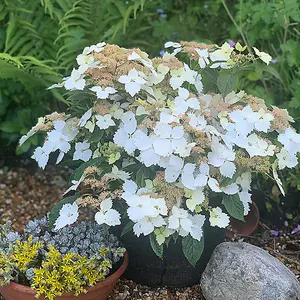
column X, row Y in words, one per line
column 164, row 145
column 54, row 263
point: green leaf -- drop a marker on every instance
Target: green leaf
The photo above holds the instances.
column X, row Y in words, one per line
column 192, row 249
column 54, row 214
column 128, row 227
column 234, row 206
column 95, row 162
column 141, row 175
column 10, row 127
column 96, row 135
column 157, row 249
column 210, row 77
column 226, row 82
column 139, row 119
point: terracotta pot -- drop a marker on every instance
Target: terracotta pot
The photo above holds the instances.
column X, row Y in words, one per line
column 246, row 228
column 101, row 291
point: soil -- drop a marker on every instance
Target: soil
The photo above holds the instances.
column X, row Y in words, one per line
column 27, row 192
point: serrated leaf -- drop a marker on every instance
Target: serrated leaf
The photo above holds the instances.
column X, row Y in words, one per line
column 210, row 77
column 141, row 175
column 128, row 227
column 157, row 249
column 234, row 206
column 227, row 82
column 97, row 135
column 139, row 119
column 192, row 249
column 54, row 213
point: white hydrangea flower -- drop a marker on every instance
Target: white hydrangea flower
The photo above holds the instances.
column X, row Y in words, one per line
column 258, row 146
column 218, row 218
column 85, row 117
column 221, row 56
column 146, row 62
column 196, row 198
column 123, row 137
column 245, row 197
column 104, row 122
column 107, row 215
column 87, row 61
column 180, row 221
column 203, row 175
column 222, row 157
column 244, row 180
column 198, row 122
column 68, row 215
column 185, row 74
column 168, row 138
column 133, row 81
column 174, row 168
column 197, row 226
column 229, row 189
column 162, row 233
column 41, row 155
column 82, row 151
column 177, row 46
column 182, row 102
column 144, row 143
column 60, row 138
column 75, row 81
column 265, row 57
column 264, row 122
column 96, row 48
column 103, row 93
column 116, row 111
column 75, row 184
column 116, row 173
column 147, row 225
column 31, row 132
column 244, row 120
column 187, row 176
column 286, row 160
column 203, row 57
column 290, row 140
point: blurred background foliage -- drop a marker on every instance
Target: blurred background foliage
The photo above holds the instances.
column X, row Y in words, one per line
column 39, row 40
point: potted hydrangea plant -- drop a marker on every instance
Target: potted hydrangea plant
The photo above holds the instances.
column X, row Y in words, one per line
column 81, row 261
column 165, row 147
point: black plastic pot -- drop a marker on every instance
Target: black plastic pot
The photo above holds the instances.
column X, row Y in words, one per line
column 173, row 270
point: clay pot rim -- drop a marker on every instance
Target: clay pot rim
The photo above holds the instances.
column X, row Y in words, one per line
column 252, row 228
column 108, row 281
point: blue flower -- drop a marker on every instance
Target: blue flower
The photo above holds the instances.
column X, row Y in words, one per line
column 160, row 11
column 296, row 230
column 161, row 52
column 163, row 16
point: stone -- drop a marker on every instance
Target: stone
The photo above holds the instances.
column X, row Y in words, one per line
column 241, row 271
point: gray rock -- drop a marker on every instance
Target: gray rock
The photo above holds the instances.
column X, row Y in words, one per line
column 241, row 271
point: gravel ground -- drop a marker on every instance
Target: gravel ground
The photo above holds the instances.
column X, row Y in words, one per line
column 28, row 192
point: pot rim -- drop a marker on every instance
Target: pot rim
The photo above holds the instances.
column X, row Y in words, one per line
column 250, row 229
column 108, row 281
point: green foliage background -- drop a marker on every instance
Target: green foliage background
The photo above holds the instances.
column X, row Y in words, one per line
column 39, row 40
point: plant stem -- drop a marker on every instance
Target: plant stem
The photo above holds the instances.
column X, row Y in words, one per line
column 236, row 25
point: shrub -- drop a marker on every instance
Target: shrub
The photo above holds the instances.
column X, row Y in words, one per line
column 165, row 141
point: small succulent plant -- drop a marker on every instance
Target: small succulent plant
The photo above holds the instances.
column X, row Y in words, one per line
column 84, row 248
column 85, row 239
column 8, row 236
